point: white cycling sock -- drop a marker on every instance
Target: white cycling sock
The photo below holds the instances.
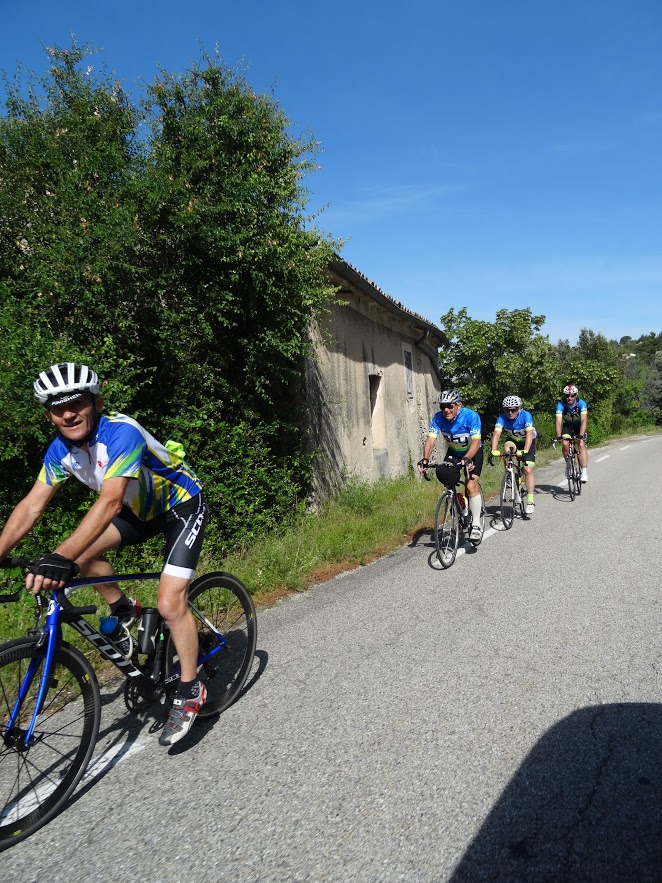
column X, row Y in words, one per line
column 474, row 505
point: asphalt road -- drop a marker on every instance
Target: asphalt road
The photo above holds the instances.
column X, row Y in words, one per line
column 496, row 721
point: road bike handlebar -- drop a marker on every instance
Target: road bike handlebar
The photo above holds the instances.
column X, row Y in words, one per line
column 60, row 594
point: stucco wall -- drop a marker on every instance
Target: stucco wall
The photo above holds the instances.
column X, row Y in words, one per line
column 370, row 415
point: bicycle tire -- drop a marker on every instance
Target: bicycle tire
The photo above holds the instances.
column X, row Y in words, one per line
column 36, row 782
column 569, row 475
column 446, row 529
column 227, row 604
column 477, row 543
column 507, row 499
column 522, row 494
column 578, row 476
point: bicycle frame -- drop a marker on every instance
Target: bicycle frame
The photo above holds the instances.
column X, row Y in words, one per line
column 50, row 637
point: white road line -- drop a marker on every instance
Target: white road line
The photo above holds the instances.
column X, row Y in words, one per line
column 622, row 449
column 110, row 758
column 32, row 799
column 600, row 459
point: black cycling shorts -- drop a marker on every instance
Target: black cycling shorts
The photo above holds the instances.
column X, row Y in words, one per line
column 531, row 456
column 477, row 460
column 183, row 527
column 571, row 429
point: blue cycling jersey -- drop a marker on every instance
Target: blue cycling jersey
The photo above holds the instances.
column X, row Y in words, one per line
column 572, row 414
column 517, row 427
column 458, row 433
column 122, row 448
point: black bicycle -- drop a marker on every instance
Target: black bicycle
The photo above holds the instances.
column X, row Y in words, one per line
column 50, row 705
column 573, row 471
column 513, row 487
column 453, row 516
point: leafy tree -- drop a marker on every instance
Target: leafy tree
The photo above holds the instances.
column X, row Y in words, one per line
column 488, row 361
column 166, row 244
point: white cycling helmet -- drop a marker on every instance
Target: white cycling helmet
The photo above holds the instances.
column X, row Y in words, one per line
column 512, row 402
column 450, row 397
column 65, row 382
column 570, row 390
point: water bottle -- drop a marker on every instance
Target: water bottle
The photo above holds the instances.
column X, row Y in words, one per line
column 149, row 624
column 463, row 504
column 113, row 629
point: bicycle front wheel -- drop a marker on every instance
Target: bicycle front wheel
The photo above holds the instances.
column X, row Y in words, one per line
column 446, row 529
column 507, row 499
column 227, row 636
column 36, row 780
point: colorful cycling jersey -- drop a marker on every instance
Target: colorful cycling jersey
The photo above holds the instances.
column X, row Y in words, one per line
column 572, row 414
column 516, row 428
column 460, row 432
column 121, row 448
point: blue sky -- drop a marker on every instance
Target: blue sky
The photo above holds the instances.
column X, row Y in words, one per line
column 475, row 153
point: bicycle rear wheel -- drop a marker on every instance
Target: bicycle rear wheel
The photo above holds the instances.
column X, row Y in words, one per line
column 569, row 472
column 35, row 782
column 446, row 529
column 577, row 475
column 521, row 495
column 507, row 500
column 227, row 636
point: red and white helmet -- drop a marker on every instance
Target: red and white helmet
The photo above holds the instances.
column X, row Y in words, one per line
column 570, row 390
column 64, row 382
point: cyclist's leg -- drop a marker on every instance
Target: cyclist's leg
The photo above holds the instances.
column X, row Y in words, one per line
column 583, row 454
column 173, row 606
column 185, row 529
column 528, row 467
column 474, row 494
column 93, row 563
column 472, row 488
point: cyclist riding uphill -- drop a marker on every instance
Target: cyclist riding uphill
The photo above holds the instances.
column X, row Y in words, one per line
column 461, row 429
column 144, row 490
column 571, row 419
column 517, row 426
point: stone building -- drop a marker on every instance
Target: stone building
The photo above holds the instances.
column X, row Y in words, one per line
column 373, row 385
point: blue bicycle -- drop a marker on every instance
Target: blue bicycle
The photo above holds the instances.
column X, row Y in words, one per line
column 50, row 704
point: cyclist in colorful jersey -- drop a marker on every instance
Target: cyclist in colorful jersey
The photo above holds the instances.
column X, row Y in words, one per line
column 144, row 490
column 461, row 429
column 517, row 426
column 571, row 419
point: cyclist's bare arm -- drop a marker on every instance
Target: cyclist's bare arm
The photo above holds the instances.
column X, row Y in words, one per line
column 427, row 448
column 495, row 439
column 96, row 521
column 24, row 516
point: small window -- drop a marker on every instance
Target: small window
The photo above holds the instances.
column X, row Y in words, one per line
column 409, row 373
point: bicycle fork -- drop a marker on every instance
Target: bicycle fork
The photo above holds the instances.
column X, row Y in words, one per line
column 49, row 635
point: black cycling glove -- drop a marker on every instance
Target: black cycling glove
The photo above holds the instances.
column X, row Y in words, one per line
column 422, row 464
column 55, row 567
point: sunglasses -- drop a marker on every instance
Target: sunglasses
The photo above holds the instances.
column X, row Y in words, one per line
column 447, row 407
column 511, row 410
